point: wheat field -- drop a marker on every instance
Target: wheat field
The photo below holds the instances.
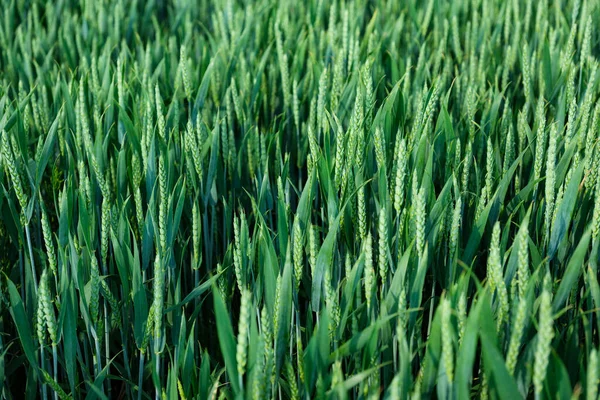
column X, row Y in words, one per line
column 324, row 199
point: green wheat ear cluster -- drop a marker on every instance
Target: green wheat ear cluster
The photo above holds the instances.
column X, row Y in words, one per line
column 237, row 255
column 447, row 345
column 362, row 212
column 462, row 317
column 115, row 316
column 298, row 256
column 40, row 323
column 158, row 302
column 455, row 228
column 596, row 213
column 382, row 262
column 48, row 307
column 523, row 260
column 15, row 179
column 94, row 289
column 48, row 242
column 496, row 277
column 55, row 386
column 518, row 323
column 243, row 328
column 544, row 340
column 379, row 143
column 592, row 375
column 401, row 167
column 420, row 204
column 550, row 179
column 369, row 274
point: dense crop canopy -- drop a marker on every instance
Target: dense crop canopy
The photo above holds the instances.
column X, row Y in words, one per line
column 328, row 199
